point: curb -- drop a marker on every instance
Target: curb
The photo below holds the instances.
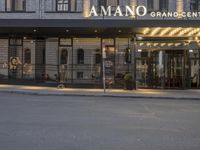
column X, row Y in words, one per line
column 96, row 95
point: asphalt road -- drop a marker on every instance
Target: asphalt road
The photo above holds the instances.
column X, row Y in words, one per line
column 88, row 123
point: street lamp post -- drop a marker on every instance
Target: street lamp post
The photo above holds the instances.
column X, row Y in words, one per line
column 103, row 65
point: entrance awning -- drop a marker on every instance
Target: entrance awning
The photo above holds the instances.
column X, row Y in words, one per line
column 94, row 23
column 101, row 28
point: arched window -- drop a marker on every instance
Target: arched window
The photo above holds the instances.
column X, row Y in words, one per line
column 64, row 57
column 27, row 56
column 80, row 56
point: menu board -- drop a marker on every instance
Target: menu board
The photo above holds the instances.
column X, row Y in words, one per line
column 109, row 63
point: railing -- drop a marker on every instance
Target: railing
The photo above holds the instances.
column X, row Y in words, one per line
column 85, row 74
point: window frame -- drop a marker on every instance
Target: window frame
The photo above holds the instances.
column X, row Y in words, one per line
column 127, row 56
column 105, row 4
column 196, row 3
column 167, row 6
column 78, row 75
column 25, row 56
column 82, row 54
column 66, row 56
column 69, row 6
column 150, row 3
column 65, row 45
column 13, row 9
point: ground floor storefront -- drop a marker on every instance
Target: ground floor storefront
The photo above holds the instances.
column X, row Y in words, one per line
column 155, row 57
column 68, row 60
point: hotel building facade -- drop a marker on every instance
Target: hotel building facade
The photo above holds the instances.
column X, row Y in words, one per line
column 43, row 41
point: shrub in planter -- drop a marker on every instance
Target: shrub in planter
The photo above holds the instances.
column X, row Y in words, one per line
column 128, row 78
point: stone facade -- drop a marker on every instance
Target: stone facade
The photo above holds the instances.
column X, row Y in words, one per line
column 46, row 50
column 46, row 9
column 4, row 57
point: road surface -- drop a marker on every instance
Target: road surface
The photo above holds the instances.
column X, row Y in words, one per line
column 88, row 123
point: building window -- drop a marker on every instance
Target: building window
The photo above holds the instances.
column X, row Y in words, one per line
column 27, row 56
column 15, row 41
column 194, row 5
column 127, row 55
column 98, row 59
column 15, row 5
column 66, row 5
column 43, row 56
column 97, row 56
column 64, row 57
column 163, row 5
column 150, row 5
column 108, row 3
column 65, row 42
column 80, row 56
column 79, row 75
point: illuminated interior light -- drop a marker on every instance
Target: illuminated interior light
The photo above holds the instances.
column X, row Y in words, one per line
column 165, row 31
column 175, row 31
column 170, row 44
column 185, row 31
column 141, row 44
column 163, row 44
column 155, row 44
column 155, row 31
column 196, row 32
column 146, row 30
column 148, row 44
column 139, row 38
column 177, row 44
column 191, row 50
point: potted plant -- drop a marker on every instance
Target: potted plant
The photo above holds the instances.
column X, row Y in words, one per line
column 128, row 79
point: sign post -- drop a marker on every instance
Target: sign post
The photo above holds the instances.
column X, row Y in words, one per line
column 103, row 65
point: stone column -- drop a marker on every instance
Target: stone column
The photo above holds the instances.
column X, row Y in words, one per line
column 133, row 3
column 179, row 7
column 133, row 60
column 86, row 8
column 161, row 68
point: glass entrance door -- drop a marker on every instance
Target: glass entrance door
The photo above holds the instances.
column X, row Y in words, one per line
column 148, row 69
column 141, row 72
column 174, row 69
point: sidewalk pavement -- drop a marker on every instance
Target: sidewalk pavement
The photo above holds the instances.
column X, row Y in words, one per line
column 140, row 93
